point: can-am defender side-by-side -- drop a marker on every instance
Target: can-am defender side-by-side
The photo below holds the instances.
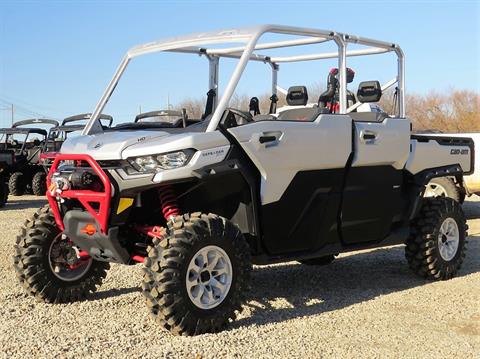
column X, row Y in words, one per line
column 58, row 134
column 198, row 203
column 20, row 148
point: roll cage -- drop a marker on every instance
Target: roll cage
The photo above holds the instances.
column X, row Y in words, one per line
column 35, row 121
column 8, row 132
column 17, row 129
column 87, row 116
column 197, row 44
column 69, row 124
column 159, row 113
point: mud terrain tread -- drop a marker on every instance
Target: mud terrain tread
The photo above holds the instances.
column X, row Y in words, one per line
column 16, row 184
column 32, row 268
column 39, row 184
column 163, row 284
column 422, row 246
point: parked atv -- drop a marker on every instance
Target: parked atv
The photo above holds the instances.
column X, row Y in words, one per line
column 58, row 134
column 199, row 202
column 19, row 157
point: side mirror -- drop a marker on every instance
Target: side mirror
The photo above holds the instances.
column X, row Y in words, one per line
column 369, row 91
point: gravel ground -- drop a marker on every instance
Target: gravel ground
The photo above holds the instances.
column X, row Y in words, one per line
column 365, row 304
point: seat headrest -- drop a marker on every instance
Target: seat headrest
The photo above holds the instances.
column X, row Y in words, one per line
column 297, row 96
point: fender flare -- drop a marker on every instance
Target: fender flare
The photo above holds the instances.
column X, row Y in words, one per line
column 421, row 179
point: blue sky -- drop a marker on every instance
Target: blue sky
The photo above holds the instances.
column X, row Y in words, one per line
column 56, row 58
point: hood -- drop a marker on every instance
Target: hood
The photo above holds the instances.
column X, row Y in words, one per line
column 118, row 145
column 109, row 145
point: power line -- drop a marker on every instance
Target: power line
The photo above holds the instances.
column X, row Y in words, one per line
column 24, row 110
column 12, row 99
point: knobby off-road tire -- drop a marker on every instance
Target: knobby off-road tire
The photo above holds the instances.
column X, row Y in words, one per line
column 39, row 184
column 320, row 261
column 35, row 272
column 436, row 246
column 3, row 192
column 444, row 187
column 16, row 184
column 195, row 244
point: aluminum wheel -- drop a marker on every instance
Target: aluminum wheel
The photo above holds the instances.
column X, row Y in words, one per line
column 448, row 239
column 435, row 190
column 65, row 261
column 209, row 277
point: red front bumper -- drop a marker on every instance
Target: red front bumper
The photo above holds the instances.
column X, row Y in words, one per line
column 85, row 197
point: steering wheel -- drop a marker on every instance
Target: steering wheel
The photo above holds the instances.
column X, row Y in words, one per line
column 237, row 118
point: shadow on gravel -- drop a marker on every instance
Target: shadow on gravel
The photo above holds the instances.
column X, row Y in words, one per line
column 16, row 205
column 311, row 290
column 114, row 292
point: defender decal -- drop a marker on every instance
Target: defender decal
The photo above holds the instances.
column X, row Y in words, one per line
column 214, row 153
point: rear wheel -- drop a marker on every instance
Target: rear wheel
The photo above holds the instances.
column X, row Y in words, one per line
column 197, row 274
column 444, row 187
column 39, row 184
column 16, row 184
column 436, row 247
column 50, row 267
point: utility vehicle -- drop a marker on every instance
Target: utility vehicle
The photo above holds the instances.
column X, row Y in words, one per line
column 58, row 134
column 20, row 148
column 198, row 203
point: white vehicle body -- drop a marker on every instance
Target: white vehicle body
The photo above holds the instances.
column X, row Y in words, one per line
column 200, row 201
column 340, row 160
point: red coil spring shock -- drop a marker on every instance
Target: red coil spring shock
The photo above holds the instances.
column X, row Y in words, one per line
column 168, row 201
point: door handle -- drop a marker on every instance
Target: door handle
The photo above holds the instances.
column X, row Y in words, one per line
column 268, row 138
column 368, row 137
column 265, row 139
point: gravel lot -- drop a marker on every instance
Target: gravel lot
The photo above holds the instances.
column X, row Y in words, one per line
column 363, row 305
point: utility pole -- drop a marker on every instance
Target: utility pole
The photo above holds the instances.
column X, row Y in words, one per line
column 11, row 108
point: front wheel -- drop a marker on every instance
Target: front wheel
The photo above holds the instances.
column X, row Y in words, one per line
column 39, row 184
column 436, row 246
column 50, row 267
column 196, row 275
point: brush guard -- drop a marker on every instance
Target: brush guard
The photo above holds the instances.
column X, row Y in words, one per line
column 85, row 196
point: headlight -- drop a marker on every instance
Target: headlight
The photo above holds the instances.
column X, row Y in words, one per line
column 164, row 161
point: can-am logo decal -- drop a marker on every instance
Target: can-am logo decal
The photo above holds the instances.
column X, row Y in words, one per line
column 214, row 153
column 98, row 145
column 458, row 151
column 140, row 139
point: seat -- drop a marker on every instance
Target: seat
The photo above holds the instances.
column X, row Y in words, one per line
column 297, row 96
column 254, row 106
